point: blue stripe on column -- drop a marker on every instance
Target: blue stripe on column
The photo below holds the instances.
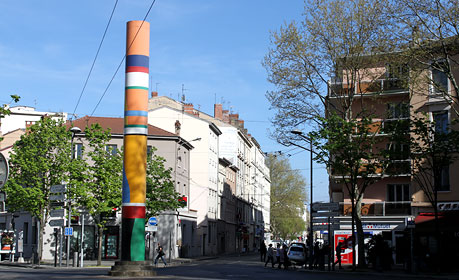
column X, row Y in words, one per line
column 137, row 60
column 136, row 113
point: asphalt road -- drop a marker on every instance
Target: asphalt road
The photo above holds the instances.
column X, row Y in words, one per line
column 246, row 267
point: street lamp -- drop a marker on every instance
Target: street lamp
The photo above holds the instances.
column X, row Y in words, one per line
column 74, row 131
column 311, row 232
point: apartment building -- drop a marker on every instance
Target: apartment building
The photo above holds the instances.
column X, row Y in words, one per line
column 389, row 91
column 252, row 185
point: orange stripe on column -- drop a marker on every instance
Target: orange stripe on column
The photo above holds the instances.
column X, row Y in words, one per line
column 141, row 44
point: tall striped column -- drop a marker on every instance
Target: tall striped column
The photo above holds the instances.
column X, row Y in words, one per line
column 135, row 141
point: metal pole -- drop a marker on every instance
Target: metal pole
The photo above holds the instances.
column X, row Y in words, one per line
column 68, row 236
column 82, row 240
column 60, row 246
column 311, row 231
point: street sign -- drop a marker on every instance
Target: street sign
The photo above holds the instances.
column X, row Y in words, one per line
column 325, row 214
column 325, row 220
column 325, row 206
column 68, row 231
column 57, row 189
column 152, row 228
column 56, row 197
column 325, row 227
column 57, row 213
column 152, row 221
column 56, row 204
column 56, row 223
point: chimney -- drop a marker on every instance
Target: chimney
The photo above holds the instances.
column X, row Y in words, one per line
column 188, row 108
column 154, row 94
column 178, row 126
column 234, row 119
column 218, row 111
column 226, row 116
column 241, row 124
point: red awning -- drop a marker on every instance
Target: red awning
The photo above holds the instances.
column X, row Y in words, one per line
column 425, row 217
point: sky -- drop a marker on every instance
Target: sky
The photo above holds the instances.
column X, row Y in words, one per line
column 214, row 48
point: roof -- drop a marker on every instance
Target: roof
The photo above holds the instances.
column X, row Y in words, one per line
column 115, row 124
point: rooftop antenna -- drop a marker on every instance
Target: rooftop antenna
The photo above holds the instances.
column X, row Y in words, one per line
column 157, row 87
column 183, row 92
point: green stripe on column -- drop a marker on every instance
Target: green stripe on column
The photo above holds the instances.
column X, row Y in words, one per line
column 137, row 87
column 138, row 240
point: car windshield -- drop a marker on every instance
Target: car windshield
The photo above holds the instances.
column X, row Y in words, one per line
column 296, row 249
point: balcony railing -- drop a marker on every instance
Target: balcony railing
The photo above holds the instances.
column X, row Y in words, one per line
column 384, row 208
column 338, row 89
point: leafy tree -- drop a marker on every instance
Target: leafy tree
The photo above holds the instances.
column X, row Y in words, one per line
column 288, row 196
column 348, row 147
column 101, row 192
column 429, row 35
column 433, row 148
column 161, row 193
column 40, row 159
column 330, row 49
column 4, row 111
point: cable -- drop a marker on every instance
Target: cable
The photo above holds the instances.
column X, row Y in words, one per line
column 95, row 58
column 122, row 60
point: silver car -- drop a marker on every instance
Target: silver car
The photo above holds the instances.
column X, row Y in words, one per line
column 297, row 253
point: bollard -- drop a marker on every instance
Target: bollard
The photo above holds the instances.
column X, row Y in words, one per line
column 75, row 259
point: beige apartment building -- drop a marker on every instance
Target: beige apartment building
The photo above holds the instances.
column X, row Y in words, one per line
column 392, row 92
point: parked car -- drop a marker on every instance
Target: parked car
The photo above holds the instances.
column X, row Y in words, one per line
column 298, row 253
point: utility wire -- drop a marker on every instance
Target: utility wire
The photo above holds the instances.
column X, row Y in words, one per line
column 122, row 60
column 95, row 58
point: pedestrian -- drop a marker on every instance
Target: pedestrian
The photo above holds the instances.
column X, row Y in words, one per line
column 161, row 254
column 263, row 251
column 281, row 257
column 316, row 254
column 277, row 254
column 286, row 260
column 338, row 255
column 270, row 255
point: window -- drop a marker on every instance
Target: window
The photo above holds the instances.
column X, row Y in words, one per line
column 440, row 119
column 439, row 80
column 398, row 110
column 111, row 149
column 25, row 233
column 78, row 150
column 398, row 192
column 443, row 184
column 149, row 151
column 398, row 151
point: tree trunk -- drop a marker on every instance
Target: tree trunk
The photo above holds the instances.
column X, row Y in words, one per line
column 360, row 234
column 353, row 231
column 99, row 255
column 40, row 236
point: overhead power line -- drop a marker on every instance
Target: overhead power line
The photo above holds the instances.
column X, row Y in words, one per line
column 122, row 60
column 95, row 58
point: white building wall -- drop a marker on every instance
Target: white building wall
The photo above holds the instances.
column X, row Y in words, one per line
column 203, row 168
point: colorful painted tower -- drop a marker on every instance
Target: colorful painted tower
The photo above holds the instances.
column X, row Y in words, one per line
column 135, row 141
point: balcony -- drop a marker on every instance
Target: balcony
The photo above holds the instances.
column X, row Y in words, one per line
column 338, row 89
column 383, row 208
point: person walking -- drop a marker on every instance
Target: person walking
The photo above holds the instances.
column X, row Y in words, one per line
column 263, row 251
column 270, row 255
column 286, row 260
column 281, row 257
column 277, row 254
column 338, row 255
column 161, row 254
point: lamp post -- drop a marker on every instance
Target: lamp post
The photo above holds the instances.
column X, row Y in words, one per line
column 74, row 131
column 311, row 232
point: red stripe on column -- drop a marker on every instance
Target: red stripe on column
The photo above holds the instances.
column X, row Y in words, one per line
column 134, row 212
column 136, row 69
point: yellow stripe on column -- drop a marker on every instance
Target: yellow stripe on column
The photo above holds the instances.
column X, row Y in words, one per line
column 135, row 163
